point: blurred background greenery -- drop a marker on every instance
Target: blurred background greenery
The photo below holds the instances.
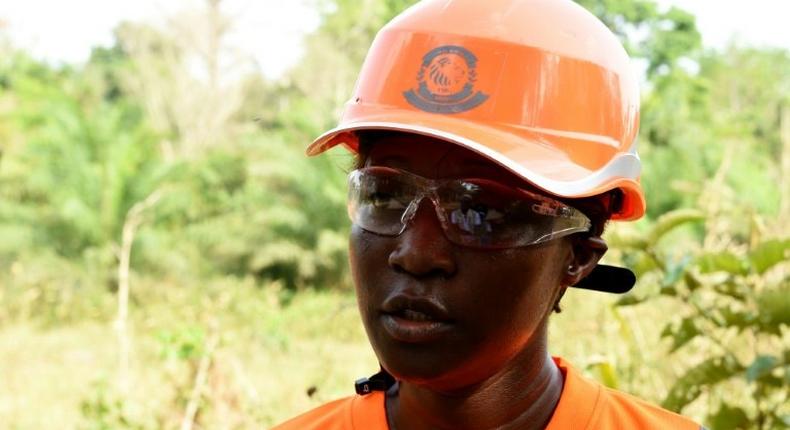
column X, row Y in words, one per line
column 170, row 259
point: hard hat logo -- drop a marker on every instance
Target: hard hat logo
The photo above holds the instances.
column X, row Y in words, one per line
column 446, row 82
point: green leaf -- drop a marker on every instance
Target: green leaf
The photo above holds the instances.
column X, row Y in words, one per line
column 774, row 308
column 681, row 333
column 739, row 319
column 629, row 300
column 729, row 417
column 622, row 240
column 708, row 373
column 605, row 373
column 692, row 281
column 670, row 220
column 640, row 263
column 624, row 327
column 770, row 383
column 673, row 274
column 731, row 289
column 761, row 366
column 722, row 262
column 769, row 253
column 668, row 330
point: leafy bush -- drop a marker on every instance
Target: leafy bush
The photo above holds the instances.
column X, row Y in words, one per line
column 733, row 305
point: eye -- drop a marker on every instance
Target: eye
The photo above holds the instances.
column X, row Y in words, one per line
column 381, row 200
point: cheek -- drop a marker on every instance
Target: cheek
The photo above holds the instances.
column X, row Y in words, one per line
column 367, row 260
column 520, row 278
column 365, row 254
column 515, row 292
column 357, row 246
column 504, row 301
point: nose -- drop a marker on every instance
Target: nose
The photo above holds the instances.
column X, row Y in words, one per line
column 422, row 249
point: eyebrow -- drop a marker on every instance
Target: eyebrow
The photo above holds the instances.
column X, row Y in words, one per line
column 476, row 167
column 389, row 159
column 473, row 168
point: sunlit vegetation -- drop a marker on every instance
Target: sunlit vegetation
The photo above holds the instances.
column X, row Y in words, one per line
column 170, row 259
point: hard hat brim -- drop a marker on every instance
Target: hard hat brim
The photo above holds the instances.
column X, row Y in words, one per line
column 535, row 160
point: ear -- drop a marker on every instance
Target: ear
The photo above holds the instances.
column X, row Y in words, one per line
column 584, row 256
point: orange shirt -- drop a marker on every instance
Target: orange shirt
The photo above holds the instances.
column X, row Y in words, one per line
column 584, row 404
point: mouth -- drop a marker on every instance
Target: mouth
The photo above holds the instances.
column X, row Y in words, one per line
column 414, row 320
column 411, row 315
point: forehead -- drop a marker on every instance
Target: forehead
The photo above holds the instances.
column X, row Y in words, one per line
column 434, row 158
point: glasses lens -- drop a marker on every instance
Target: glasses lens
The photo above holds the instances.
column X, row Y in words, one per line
column 487, row 214
column 377, row 199
column 474, row 212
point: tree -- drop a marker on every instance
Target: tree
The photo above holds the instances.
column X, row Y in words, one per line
column 187, row 78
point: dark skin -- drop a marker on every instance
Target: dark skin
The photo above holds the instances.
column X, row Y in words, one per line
column 491, row 368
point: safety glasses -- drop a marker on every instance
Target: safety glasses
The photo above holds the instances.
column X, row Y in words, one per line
column 478, row 213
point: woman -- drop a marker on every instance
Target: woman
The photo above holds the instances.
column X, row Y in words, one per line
column 494, row 141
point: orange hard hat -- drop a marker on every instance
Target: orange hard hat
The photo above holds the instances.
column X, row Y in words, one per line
column 541, row 87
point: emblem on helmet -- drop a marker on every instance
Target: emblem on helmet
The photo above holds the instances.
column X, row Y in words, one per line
column 446, row 82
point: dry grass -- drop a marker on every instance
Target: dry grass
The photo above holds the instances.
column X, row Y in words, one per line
column 268, row 359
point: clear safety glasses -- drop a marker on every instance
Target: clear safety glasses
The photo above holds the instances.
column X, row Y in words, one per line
column 478, row 213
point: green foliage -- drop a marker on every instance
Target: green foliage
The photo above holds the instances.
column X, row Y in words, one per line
column 774, row 307
column 743, row 286
column 723, row 261
column 83, row 164
column 605, row 373
column 249, row 228
column 681, row 332
column 185, row 344
column 50, row 290
column 672, row 35
column 672, row 220
column 264, row 210
column 692, row 383
column 104, row 410
column 761, row 367
column 768, row 254
column 337, row 49
column 730, row 417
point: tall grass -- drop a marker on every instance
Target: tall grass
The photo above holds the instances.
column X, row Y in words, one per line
column 277, row 355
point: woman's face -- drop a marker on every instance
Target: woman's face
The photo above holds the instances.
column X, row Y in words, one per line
column 443, row 315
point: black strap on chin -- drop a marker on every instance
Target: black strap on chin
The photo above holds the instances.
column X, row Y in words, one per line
column 381, row 381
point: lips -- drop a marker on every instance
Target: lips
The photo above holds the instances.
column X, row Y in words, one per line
column 411, row 315
column 414, row 320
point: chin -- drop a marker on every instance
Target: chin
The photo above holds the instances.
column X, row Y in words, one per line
column 436, row 366
column 414, row 363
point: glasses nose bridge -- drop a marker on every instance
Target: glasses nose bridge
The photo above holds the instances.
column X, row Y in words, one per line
column 428, row 191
